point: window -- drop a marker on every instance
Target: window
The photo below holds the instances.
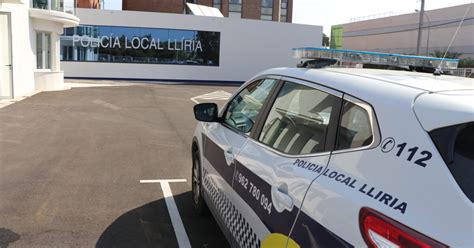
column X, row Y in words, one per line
column 455, row 145
column 283, row 10
column 244, row 108
column 107, row 44
column 266, row 10
column 43, row 50
column 217, row 3
column 67, row 6
column 298, row 120
column 355, row 129
column 235, row 8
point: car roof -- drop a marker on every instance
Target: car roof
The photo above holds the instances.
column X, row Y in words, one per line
column 437, row 100
column 419, row 81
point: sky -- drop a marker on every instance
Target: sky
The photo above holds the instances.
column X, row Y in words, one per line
column 333, row 12
column 113, row 4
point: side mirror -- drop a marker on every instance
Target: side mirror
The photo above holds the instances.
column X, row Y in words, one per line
column 206, row 112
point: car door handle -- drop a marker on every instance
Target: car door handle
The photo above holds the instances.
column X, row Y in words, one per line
column 229, row 157
column 281, row 200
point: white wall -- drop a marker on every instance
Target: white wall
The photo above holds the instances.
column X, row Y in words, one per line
column 246, row 46
column 26, row 78
column 50, row 79
column 23, row 56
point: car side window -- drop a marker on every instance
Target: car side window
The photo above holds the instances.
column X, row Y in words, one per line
column 355, row 128
column 298, row 121
column 244, row 108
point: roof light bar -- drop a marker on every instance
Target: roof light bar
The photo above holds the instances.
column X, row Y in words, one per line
column 377, row 58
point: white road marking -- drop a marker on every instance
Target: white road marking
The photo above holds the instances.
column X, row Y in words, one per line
column 216, row 95
column 164, row 180
column 12, row 116
column 10, row 141
column 180, row 232
column 106, row 104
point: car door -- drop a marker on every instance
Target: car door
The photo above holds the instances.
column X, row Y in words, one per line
column 223, row 140
column 330, row 212
column 289, row 148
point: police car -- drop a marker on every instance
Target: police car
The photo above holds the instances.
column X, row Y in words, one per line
column 334, row 157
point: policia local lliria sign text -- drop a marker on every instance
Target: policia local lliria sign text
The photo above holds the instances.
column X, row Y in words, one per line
column 140, row 45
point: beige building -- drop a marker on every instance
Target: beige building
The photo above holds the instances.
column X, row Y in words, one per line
column 398, row 34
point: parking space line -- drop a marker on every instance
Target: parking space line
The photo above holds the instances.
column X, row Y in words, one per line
column 10, row 141
column 180, row 232
column 219, row 95
column 106, row 104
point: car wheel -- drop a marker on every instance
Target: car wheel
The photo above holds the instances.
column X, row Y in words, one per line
column 197, row 190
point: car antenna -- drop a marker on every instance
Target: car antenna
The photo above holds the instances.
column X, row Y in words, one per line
column 438, row 71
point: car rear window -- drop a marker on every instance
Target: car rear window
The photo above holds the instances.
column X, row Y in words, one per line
column 354, row 130
column 456, row 146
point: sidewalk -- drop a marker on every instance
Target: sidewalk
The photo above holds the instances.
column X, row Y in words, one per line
column 69, row 84
column 6, row 102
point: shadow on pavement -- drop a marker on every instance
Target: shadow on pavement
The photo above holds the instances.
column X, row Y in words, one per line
column 7, row 237
column 150, row 226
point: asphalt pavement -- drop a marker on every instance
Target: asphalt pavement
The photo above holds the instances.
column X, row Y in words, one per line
column 71, row 164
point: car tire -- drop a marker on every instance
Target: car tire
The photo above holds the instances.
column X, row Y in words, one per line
column 197, row 189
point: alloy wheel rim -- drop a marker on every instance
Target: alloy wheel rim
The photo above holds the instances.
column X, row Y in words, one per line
column 196, row 183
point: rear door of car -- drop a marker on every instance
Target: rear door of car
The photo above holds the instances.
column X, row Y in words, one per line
column 448, row 118
column 289, row 148
column 332, row 202
column 222, row 142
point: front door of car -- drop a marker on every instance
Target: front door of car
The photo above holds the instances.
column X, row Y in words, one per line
column 288, row 150
column 222, row 143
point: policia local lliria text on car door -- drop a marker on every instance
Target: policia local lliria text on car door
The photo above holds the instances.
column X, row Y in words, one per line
column 273, row 140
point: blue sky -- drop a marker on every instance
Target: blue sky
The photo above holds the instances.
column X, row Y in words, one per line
column 113, row 4
column 332, row 12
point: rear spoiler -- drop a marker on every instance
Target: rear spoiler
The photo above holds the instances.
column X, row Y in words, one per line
column 442, row 109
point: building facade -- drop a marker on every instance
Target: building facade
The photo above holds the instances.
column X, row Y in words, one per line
column 246, row 9
column 398, row 34
column 29, row 44
column 89, row 4
column 132, row 45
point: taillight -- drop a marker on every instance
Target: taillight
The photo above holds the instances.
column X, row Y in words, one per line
column 380, row 231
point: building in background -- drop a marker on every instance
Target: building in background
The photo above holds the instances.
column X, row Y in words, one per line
column 398, row 34
column 89, row 4
column 29, row 44
column 246, row 9
column 132, row 45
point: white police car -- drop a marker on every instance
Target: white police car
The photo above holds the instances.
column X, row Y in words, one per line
column 339, row 158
